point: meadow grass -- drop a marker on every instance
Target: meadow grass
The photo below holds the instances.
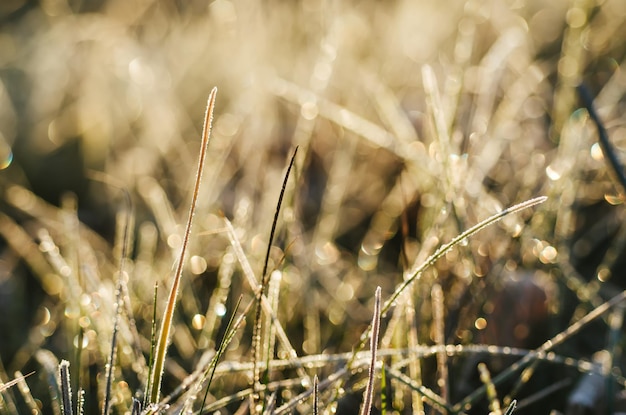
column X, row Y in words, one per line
column 416, row 176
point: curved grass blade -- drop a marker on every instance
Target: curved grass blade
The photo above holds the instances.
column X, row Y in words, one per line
column 166, row 322
column 440, row 252
column 256, row 337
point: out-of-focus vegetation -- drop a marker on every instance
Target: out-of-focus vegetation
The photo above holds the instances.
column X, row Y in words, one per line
column 414, row 120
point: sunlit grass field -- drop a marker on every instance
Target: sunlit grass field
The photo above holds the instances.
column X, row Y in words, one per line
column 444, row 154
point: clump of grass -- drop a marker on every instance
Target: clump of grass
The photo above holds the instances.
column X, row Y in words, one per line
column 413, row 121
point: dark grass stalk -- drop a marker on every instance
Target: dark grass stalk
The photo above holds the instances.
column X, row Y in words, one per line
column 615, row 166
column 65, row 386
column 166, row 322
column 231, row 329
column 136, row 408
column 544, row 348
column 256, row 350
column 371, row 378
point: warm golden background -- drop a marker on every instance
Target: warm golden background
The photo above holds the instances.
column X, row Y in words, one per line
column 414, row 121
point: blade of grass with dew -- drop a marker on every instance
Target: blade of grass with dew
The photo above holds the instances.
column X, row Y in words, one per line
column 440, row 252
column 17, row 380
column 371, row 377
column 231, row 328
column 119, row 299
column 148, row 390
column 166, row 323
column 65, row 386
column 256, row 336
column 492, row 394
column 80, row 402
column 439, row 338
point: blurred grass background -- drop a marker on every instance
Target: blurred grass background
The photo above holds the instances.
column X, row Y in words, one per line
column 415, row 120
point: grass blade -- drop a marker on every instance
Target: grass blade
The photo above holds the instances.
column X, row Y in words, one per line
column 369, row 390
column 66, row 389
column 616, row 167
column 166, row 322
column 316, row 397
column 256, row 339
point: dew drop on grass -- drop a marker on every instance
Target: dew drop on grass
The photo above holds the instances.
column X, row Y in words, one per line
column 198, row 265
column 480, row 323
column 85, row 342
column 220, row 309
column 6, row 159
column 552, row 173
column 71, row 312
column 198, row 321
column 596, row 152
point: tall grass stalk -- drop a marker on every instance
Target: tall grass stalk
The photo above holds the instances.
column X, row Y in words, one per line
column 366, row 408
column 166, row 322
column 256, row 340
